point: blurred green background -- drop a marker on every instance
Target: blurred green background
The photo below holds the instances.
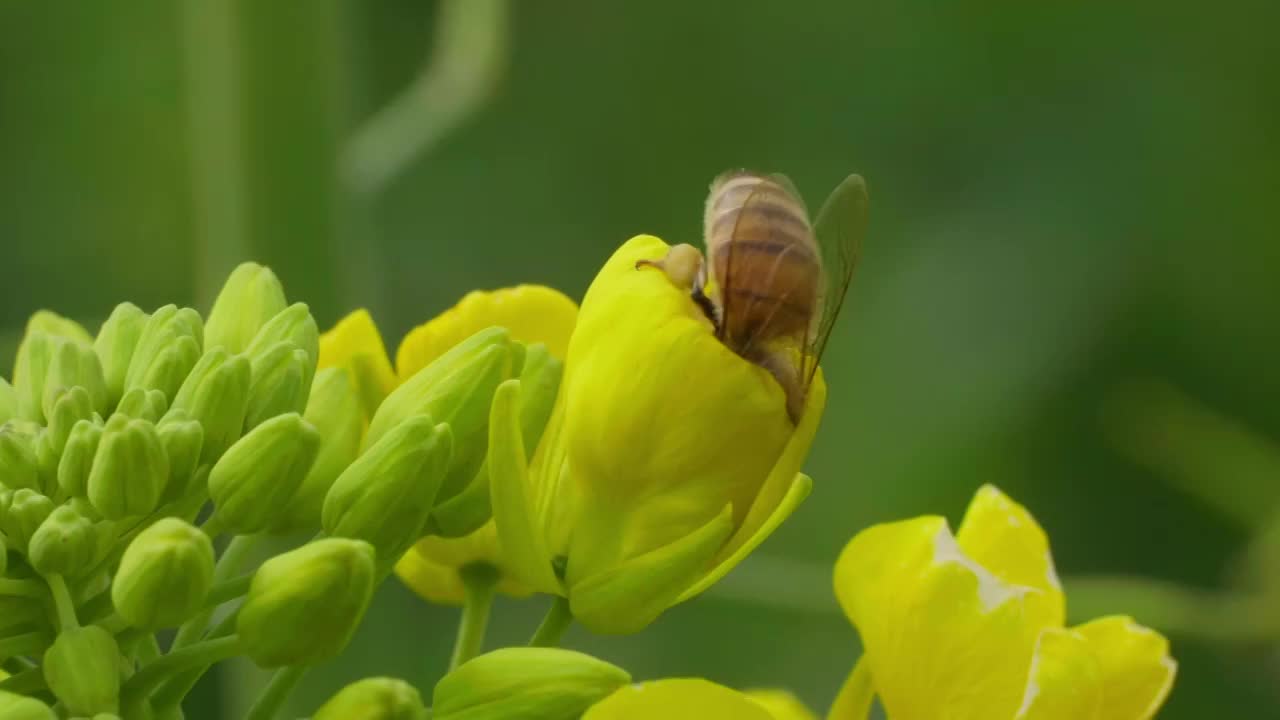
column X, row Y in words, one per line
column 1069, row 288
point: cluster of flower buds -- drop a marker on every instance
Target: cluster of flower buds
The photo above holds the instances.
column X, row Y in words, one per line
column 127, row 458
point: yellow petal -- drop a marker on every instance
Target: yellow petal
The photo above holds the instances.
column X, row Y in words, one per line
column 431, row 567
column 781, row 704
column 355, row 343
column 1001, row 536
column 1064, row 682
column 943, row 637
column 1137, row 670
column 677, row 699
column 532, row 313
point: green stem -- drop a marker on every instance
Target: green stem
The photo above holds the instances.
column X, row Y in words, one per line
column 202, row 654
column 62, row 602
column 231, row 562
column 15, row 665
column 267, row 706
column 24, row 644
column 175, row 689
column 21, row 588
column 25, row 682
column 479, row 581
column 554, row 625
column 1171, row 608
column 854, row 700
column 228, row 590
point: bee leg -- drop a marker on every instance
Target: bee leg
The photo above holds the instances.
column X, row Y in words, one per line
column 682, row 264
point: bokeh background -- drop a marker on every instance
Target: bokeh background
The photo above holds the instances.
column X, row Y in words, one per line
column 1069, row 288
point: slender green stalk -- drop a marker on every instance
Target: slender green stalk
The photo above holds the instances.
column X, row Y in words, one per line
column 62, row 602
column 175, row 689
column 21, row 588
column 202, row 654
column 479, row 581
column 554, row 625
column 24, row 644
column 268, row 704
column 25, row 682
column 1171, row 608
column 231, row 562
column 228, row 590
column 854, row 699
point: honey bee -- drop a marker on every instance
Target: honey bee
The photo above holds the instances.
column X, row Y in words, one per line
column 772, row 283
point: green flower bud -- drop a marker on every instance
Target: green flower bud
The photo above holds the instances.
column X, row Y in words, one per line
column 457, row 389
column 167, row 348
column 8, row 402
column 19, row 707
column 77, row 458
column 182, row 439
column 143, row 404
column 279, row 382
column 304, row 605
column 82, row 668
column 35, row 352
column 385, row 496
column 251, row 296
column 258, row 475
column 335, row 411
column 26, row 510
column 74, row 365
column 164, row 575
column 294, row 325
column 216, row 394
column 17, row 458
column 525, row 682
column 379, row 698
column 64, row 544
column 115, row 344
column 47, row 321
column 129, row 470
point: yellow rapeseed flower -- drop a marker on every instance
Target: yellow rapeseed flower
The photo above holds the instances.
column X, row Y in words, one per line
column 681, row 699
column 971, row 626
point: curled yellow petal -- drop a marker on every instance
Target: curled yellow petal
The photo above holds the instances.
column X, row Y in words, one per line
column 432, row 567
column 355, row 343
column 1136, row 669
column 1064, row 682
column 781, row 704
column 677, row 699
column 532, row 313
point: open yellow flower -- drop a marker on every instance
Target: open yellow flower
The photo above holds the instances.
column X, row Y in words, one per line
column 695, row 699
column 668, row 459
column 971, row 626
column 532, row 314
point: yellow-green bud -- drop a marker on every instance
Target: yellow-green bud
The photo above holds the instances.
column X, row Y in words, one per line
column 335, row 411
column 115, row 344
column 82, row 668
column 547, row 683
column 216, row 394
column 47, row 321
column 17, row 458
column 251, row 296
column 143, row 404
column 45, row 331
column 385, row 496
column 279, row 385
column 182, row 439
column 378, row 698
column 77, row 458
column 74, row 365
column 168, row 347
column 20, row 707
column 129, row 470
column 258, row 475
column 26, row 510
column 64, row 544
column 295, row 325
column 304, row 605
column 8, row 402
column 164, row 575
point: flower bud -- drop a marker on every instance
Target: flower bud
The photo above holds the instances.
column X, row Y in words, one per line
column 168, row 347
column 143, row 404
column 304, row 605
column 82, row 668
column 456, row 389
column 548, row 683
column 334, row 409
column 216, row 394
column 279, row 382
column 294, row 325
column 8, row 402
column 164, row 576
column 19, row 707
column 182, row 439
column 26, row 510
column 17, row 458
column 64, row 544
column 68, row 407
column 35, row 352
column 379, row 698
column 258, row 475
column 129, row 470
column 115, row 344
column 251, row 296
column 74, row 365
column 385, row 496
column 77, row 458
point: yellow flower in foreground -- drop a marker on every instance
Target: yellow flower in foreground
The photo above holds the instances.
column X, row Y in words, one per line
column 669, row 457
column 532, row 313
column 971, row 626
column 682, row 699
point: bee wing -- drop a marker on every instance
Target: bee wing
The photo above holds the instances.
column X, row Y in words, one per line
column 839, row 229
